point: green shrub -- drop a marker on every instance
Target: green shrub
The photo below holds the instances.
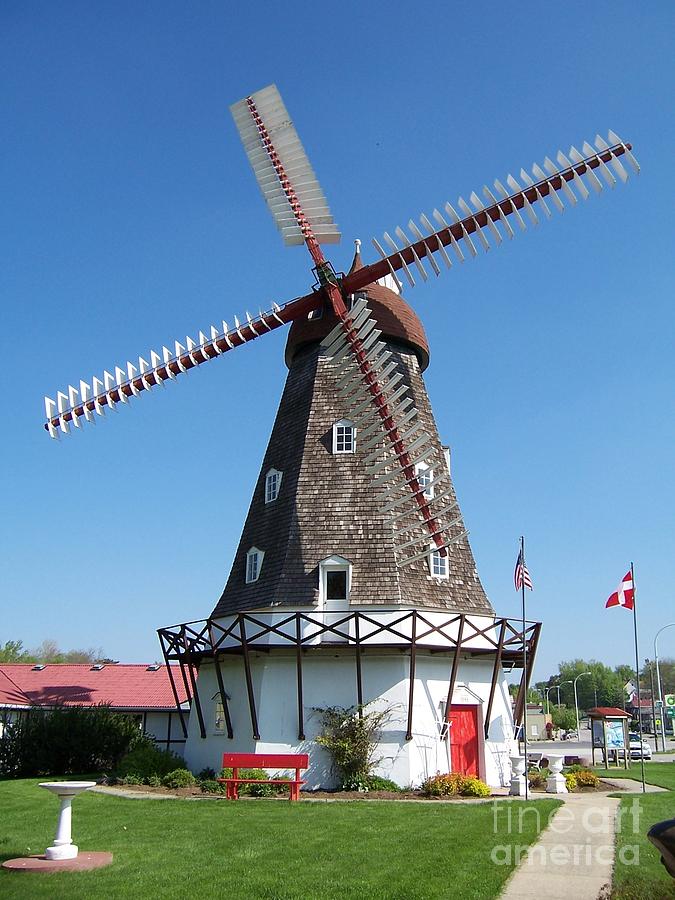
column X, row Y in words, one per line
column 211, row 786
column 586, row 778
column 570, row 781
column 66, row 740
column 454, row 784
column 179, row 778
column 130, row 779
column 261, row 788
column 537, row 779
column 474, row 787
column 148, row 760
column 154, row 781
column 377, row 783
column 207, row 774
column 350, row 735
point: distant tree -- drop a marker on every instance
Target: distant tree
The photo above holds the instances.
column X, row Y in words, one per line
column 625, row 674
column 667, row 672
column 50, row 652
column 564, row 718
column 13, row 652
column 603, row 682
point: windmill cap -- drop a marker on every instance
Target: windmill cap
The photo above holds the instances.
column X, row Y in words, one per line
column 395, row 318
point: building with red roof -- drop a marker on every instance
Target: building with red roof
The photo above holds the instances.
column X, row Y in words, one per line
column 142, row 691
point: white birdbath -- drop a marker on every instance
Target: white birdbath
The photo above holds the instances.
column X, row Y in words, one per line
column 555, row 783
column 517, row 788
column 63, row 847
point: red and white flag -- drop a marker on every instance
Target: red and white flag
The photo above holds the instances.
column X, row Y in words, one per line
column 521, row 576
column 625, row 596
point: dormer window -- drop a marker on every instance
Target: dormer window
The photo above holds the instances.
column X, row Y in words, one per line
column 335, row 576
column 438, row 565
column 425, row 475
column 254, row 561
column 272, row 485
column 344, row 437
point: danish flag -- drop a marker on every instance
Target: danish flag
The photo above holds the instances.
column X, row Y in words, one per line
column 625, row 596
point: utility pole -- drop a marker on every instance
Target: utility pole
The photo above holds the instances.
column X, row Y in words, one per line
column 651, row 678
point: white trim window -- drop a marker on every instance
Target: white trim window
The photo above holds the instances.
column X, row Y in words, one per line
column 425, row 475
column 335, row 579
column 254, row 561
column 344, row 437
column 219, row 717
column 272, row 485
column 438, row 565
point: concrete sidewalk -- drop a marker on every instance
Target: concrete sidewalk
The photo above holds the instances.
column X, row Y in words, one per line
column 574, row 856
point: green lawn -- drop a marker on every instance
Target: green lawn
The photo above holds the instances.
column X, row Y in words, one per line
column 647, row 880
column 661, row 774
column 265, row 848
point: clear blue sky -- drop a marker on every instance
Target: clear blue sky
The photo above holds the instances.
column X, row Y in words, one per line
column 131, row 218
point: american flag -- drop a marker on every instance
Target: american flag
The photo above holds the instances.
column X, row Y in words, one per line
column 521, row 576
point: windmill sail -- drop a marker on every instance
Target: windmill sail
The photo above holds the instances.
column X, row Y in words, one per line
column 282, row 169
column 412, row 252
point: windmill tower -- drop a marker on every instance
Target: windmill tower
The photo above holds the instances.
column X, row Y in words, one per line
column 353, row 582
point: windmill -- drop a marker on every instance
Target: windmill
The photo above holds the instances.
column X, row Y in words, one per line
column 363, row 338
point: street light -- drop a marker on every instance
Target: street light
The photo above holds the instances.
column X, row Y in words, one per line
column 546, row 692
column 658, row 681
column 576, row 701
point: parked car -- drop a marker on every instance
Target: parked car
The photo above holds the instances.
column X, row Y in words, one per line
column 638, row 750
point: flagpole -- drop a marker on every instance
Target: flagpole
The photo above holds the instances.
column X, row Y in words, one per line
column 637, row 676
column 522, row 560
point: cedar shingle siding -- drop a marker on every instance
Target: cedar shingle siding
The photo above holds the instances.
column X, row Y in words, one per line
column 327, row 505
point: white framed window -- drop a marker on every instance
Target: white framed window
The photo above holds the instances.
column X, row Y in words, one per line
column 425, row 475
column 219, row 717
column 438, row 565
column 344, row 437
column 254, row 561
column 272, row 485
column 335, row 577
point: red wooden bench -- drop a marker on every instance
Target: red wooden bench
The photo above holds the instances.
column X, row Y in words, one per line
column 236, row 761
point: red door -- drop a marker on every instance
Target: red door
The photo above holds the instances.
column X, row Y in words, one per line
column 464, row 739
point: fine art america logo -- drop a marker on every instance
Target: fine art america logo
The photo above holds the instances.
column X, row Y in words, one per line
column 583, row 839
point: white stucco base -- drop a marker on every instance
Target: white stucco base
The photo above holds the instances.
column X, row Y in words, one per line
column 329, row 679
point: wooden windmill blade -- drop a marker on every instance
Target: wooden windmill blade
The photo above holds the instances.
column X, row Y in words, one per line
column 553, row 182
column 92, row 399
column 283, row 171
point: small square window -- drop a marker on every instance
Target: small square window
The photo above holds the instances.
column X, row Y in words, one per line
column 344, row 437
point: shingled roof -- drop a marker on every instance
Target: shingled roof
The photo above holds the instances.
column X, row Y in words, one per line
column 327, row 505
column 122, row 686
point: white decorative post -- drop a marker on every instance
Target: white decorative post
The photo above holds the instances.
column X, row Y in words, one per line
column 555, row 783
column 518, row 776
column 63, row 847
